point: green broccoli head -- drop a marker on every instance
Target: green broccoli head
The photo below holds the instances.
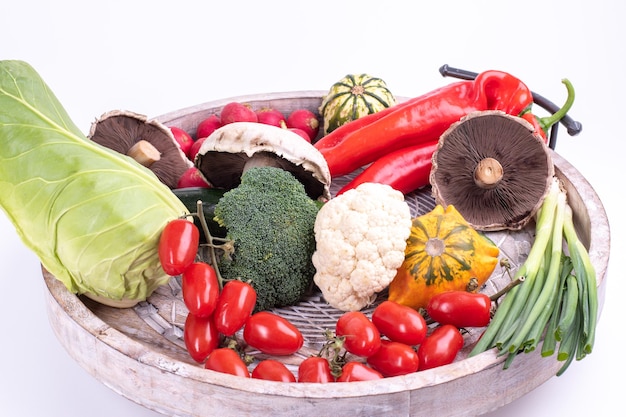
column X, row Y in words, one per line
column 270, row 219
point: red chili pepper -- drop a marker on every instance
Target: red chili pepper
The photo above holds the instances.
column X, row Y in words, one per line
column 405, row 169
column 354, row 125
column 421, row 119
column 542, row 124
column 534, row 121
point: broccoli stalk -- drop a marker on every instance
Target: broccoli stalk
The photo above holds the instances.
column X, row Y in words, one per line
column 269, row 218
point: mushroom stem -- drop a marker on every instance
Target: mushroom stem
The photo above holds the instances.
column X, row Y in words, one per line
column 144, row 152
column 488, row 173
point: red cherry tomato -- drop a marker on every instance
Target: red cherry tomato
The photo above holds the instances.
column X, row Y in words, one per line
column 200, row 289
column 272, row 334
column 358, row 371
column 227, row 361
column 460, row 308
column 400, row 323
column 362, row 338
column 200, row 336
column 234, row 305
column 178, row 246
column 440, row 348
column 315, row 369
column 273, row 370
column 394, row 358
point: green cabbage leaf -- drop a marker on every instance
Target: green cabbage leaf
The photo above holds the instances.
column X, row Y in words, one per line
column 92, row 216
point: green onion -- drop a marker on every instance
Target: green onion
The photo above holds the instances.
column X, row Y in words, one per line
column 558, row 297
column 549, row 342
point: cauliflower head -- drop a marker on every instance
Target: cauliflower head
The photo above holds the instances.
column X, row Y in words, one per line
column 360, row 240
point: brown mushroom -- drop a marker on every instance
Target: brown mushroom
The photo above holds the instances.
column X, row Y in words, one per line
column 235, row 147
column 493, row 168
column 149, row 142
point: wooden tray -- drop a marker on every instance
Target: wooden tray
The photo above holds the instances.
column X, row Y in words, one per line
column 125, row 350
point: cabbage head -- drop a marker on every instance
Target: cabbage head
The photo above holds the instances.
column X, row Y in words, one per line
column 92, row 216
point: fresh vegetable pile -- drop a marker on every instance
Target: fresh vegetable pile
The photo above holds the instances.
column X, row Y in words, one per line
column 252, row 189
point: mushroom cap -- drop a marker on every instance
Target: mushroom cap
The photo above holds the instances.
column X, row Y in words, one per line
column 229, row 150
column 119, row 130
column 494, row 168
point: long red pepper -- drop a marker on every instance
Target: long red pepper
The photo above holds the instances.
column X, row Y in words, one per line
column 405, row 169
column 421, row 119
column 344, row 130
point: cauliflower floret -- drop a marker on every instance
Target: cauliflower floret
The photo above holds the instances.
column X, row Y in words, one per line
column 360, row 241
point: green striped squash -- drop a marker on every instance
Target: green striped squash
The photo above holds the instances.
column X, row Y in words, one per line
column 352, row 97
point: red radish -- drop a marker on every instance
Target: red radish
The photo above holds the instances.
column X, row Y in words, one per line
column 270, row 116
column 208, row 126
column 192, row 178
column 306, row 120
column 237, row 112
column 195, row 148
column 300, row 132
column 297, row 131
column 184, row 139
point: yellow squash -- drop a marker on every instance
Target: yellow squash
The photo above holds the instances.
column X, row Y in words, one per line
column 443, row 253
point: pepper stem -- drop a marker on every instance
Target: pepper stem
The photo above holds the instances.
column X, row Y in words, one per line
column 548, row 121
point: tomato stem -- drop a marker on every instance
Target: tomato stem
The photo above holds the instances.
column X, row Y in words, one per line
column 210, row 243
column 332, row 351
column 506, row 289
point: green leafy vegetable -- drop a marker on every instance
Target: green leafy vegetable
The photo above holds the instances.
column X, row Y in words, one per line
column 558, row 298
column 270, row 219
column 92, row 216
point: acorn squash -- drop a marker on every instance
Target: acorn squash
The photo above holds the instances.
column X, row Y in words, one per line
column 443, row 253
column 352, row 97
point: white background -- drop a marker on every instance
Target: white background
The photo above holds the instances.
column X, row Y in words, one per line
column 156, row 56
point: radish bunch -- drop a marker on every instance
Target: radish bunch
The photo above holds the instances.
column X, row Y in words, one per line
column 301, row 121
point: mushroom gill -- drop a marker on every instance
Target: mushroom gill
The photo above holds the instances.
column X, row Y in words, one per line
column 149, row 142
column 493, row 168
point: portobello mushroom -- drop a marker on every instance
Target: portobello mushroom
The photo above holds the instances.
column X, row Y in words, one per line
column 494, row 168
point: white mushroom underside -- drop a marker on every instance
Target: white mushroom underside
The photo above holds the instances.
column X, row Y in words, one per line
column 251, row 138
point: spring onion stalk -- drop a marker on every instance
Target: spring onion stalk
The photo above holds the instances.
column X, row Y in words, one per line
column 511, row 307
column 586, row 274
column 569, row 345
column 558, row 298
column 570, row 304
column 549, row 343
column 549, row 286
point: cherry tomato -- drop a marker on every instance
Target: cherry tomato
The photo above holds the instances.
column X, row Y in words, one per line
column 315, row 369
column 234, row 305
column 440, row 348
column 358, row 371
column 200, row 289
column 460, row 308
column 200, row 336
column 178, row 246
column 273, row 370
column 272, row 334
column 394, row 358
column 362, row 338
column 400, row 323
column 227, row 361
